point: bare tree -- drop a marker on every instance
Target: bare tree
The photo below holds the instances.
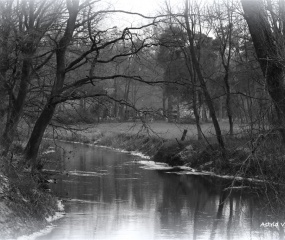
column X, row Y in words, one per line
column 222, row 20
column 267, row 29
column 31, row 20
column 202, row 80
column 79, row 43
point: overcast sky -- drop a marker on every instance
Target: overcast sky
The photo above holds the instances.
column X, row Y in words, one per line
column 145, row 7
column 142, row 6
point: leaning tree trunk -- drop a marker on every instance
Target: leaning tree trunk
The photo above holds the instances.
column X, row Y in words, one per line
column 208, row 98
column 46, row 115
column 268, row 52
column 35, row 139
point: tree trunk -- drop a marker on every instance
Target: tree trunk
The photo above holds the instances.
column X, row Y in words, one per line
column 228, row 102
column 46, row 115
column 164, row 97
column 192, row 74
column 170, row 108
column 221, row 107
column 126, row 99
column 224, row 34
column 115, row 114
column 16, row 106
column 35, row 139
column 121, row 112
column 82, row 103
column 178, row 109
column 31, row 29
column 4, row 67
column 196, row 113
column 268, row 52
column 203, row 83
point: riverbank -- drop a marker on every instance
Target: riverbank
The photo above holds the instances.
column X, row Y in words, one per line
column 261, row 161
column 25, row 204
column 26, row 208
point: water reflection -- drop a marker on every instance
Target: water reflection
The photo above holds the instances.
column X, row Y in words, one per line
column 109, row 196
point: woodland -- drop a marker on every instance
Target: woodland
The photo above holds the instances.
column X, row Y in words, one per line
column 63, row 64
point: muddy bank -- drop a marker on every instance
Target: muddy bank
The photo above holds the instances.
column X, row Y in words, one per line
column 145, row 144
column 205, row 157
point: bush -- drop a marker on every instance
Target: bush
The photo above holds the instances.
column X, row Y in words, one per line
column 75, row 116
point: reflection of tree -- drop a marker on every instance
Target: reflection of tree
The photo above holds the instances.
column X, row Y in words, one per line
column 196, row 218
column 180, row 193
column 229, row 224
column 170, row 203
column 218, row 217
column 138, row 194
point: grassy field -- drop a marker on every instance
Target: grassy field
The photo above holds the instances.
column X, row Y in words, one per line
column 160, row 129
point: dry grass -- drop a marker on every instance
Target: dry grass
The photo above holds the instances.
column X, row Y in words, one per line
column 162, row 130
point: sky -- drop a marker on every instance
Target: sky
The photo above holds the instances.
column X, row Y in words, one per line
column 145, row 7
column 141, row 6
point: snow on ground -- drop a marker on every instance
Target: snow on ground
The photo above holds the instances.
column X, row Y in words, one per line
column 81, row 201
column 139, row 154
column 184, row 170
column 33, row 236
column 151, row 165
column 59, row 214
column 84, row 173
column 49, row 151
column 49, row 228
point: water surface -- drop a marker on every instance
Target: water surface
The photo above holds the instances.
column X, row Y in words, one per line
column 110, row 195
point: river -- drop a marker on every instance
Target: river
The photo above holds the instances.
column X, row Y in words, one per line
column 113, row 195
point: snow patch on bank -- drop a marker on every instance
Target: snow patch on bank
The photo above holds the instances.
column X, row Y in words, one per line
column 50, row 227
column 184, row 170
column 81, row 201
column 76, row 173
column 151, row 165
column 85, row 174
column 58, row 214
column 108, row 147
column 35, row 235
column 139, row 154
column 95, row 144
column 49, row 151
column 134, row 153
column 206, row 173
